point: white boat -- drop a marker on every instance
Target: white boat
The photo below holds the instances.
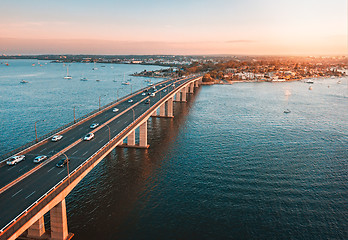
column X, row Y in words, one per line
column 309, row 81
column 125, row 83
column 23, row 81
column 83, row 79
column 67, row 73
column 287, row 111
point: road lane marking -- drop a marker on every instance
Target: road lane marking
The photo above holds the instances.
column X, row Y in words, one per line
column 17, row 192
column 43, row 150
column 10, row 168
column 61, row 171
column 51, row 169
column 21, row 169
column 75, row 152
column 30, row 194
column 101, row 140
column 84, row 153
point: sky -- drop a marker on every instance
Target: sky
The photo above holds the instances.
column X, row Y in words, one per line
column 179, row 27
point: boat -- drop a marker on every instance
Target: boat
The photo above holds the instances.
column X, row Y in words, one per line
column 83, row 79
column 125, row 83
column 67, row 73
column 339, row 82
column 287, row 111
column 309, row 81
column 23, row 81
column 310, row 88
column 98, row 80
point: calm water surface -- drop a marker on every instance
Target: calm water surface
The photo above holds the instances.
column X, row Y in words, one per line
column 230, row 165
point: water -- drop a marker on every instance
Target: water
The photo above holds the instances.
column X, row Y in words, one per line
column 230, row 165
column 49, row 97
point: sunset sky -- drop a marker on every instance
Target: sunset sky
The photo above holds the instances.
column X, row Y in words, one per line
column 271, row 27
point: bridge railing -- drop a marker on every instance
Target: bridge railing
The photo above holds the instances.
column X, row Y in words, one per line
column 45, row 199
column 43, row 137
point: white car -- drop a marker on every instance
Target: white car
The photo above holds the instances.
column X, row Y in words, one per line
column 94, row 125
column 143, row 94
column 153, row 94
column 164, row 90
column 40, row 159
column 115, row 110
column 88, row 137
column 56, row 138
column 15, row 159
column 130, row 100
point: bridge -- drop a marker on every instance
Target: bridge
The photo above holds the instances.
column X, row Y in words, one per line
column 28, row 191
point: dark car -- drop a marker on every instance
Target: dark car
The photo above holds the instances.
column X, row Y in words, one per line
column 62, row 162
column 147, row 101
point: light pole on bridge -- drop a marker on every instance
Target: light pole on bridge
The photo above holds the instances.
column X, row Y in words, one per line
column 99, row 99
column 36, row 129
column 67, row 166
column 109, row 132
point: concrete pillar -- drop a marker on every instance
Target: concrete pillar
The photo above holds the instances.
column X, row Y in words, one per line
column 170, row 107
column 154, row 114
column 183, row 94
column 131, row 138
column 37, row 229
column 177, row 97
column 143, row 135
column 163, row 110
column 59, row 223
column 196, row 83
column 191, row 87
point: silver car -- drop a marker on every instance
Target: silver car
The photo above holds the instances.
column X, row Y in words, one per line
column 15, row 159
column 40, row 158
column 56, row 138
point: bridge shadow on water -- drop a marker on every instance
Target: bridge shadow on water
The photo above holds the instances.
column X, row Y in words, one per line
column 108, row 201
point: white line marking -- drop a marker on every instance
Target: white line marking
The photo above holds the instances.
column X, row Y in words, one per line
column 30, row 194
column 17, row 192
column 101, row 140
column 61, row 171
column 51, row 169
column 43, row 150
column 75, row 152
column 10, row 168
column 21, row 169
column 84, row 153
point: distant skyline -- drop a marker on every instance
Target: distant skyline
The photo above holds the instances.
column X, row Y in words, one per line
column 241, row 27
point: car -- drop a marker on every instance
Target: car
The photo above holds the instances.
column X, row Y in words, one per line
column 147, row 101
column 130, row 100
column 164, row 90
column 143, row 94
column 15, row 159
column 40, row 158
column 115, row 110
column 153, row 94
column 94, row 125
column 56, row 138
column 148, row 93
column 62, row 162
column 88, row 137
column 146, row 90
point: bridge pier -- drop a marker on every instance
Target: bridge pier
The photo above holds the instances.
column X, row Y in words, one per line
column 59, row 223
column 37, row 229
column 183, row 94
column 166, row 109
column 131, row 138
column 143, row 135
column 170, row 107
column 191, row 87
column 163, row 110
column 177, row 96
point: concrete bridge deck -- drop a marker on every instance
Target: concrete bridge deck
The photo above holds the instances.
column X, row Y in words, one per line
column 28, row 190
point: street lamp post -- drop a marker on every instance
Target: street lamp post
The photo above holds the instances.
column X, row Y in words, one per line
column 109, row 132
column 99, row 99
column 36, row 129
column 67, row 165
column 133, row 114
